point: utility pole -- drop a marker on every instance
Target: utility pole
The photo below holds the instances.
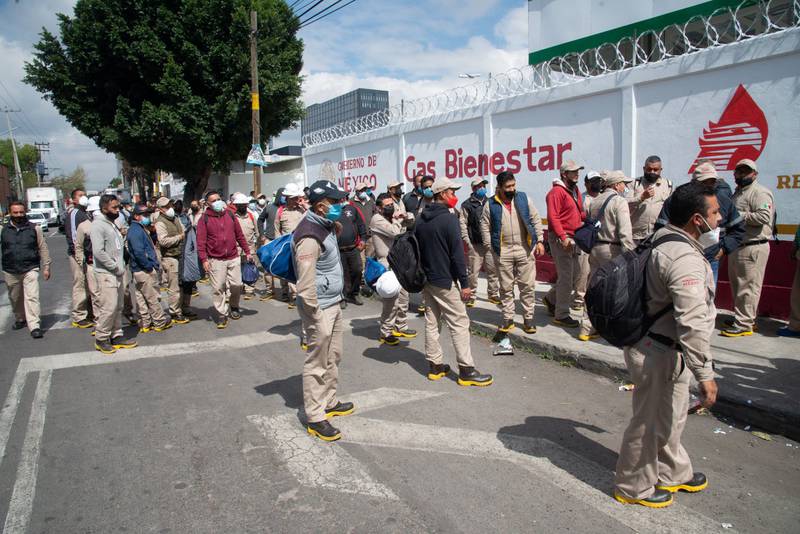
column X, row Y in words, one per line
column 41, row 168
column 17, row 170
column 254, row 95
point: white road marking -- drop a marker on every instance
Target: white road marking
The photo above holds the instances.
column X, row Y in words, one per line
column 325, row 465
column 21, row 505
column 9, row 411
column 539, row 456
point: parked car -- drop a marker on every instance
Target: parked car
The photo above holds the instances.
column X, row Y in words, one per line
column 40, row 219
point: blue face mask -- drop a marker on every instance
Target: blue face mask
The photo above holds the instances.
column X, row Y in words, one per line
column 334, row 212
column 145, row 221
column 282, row 201
column 427, row 192
column 369, row 192
column 481, row 193
column 218, row 205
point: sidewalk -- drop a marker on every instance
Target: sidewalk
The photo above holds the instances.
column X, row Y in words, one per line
column 758, row 376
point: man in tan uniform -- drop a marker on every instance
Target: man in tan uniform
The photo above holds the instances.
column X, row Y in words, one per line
column 247, row 221
column 646, row 198
column 83, row 249
column 652, row 462
column 285, row 223
column 513, row 228
column 615, row 235
column 592, row 185
column 385, row 225
column 747, row 264
column 479, row 254
column 24, row 252
column 320, row 282
column 81, row 304
column 169, row 230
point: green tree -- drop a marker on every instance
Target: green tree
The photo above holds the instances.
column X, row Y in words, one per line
column 66, row 183
column 115, row 182
column 166, row 83
column 28, row 156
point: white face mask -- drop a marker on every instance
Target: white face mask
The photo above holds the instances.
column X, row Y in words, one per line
column 261, row 201
column 710, row 237
column 170, row 213
column 83, row 201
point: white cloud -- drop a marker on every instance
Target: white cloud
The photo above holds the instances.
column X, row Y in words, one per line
column 513, row 28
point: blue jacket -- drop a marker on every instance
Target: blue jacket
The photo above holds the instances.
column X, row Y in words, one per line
column 496, row 219
column 141, row 249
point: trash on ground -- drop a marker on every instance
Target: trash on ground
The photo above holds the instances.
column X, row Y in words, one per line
column 695, row 404
column 762, row 435
column 627, row 387
column 504, row 348
column 727, row 525
column 747, row 427
column 719, row 431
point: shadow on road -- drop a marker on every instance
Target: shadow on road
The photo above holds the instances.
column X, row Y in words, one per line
column 397, row 354
column 290, row 389
column 571, row 442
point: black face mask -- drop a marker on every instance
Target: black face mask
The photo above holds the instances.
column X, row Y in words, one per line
column 595, row 187
column 19, row 220
column 195, row 209
column 509, row 194
column 651, row 177
column 111, row 216
column 388, row 211
column 744, row 182
column 241, row 210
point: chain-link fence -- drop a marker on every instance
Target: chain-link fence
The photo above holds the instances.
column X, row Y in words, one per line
column 724, row 26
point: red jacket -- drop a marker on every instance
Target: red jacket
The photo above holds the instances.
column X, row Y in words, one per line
column 217, row 236
column 564, row 211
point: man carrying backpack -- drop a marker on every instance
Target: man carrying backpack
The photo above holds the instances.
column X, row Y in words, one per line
column 442, row 260
column 385, row 226
column 610, row 209
column 479, row 253
column 320, row 283
column 652, row 463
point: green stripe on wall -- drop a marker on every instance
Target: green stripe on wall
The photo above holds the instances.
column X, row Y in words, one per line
column 658, row 23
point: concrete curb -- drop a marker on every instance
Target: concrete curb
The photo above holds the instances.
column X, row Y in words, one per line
column 770, row 417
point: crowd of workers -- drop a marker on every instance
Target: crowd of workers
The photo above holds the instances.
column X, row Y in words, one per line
column 123, row 257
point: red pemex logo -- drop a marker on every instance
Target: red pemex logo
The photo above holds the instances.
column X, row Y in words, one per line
column 741, row 132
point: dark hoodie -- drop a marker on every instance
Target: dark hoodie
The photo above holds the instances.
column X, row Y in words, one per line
column 731, row 225
column 441, row 249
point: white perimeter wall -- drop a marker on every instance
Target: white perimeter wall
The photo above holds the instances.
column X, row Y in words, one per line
column 609, row 122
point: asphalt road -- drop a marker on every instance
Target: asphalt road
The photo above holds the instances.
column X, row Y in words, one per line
column 197, row 430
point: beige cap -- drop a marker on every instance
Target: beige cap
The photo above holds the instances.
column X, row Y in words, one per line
column 747, row 163
column 443, row 184
column 163, row 202
column 570, row 165
column 394, row 184
column 615, row 177
column 479, row 181
column 705, row 171
column 292, row 190
column 239, row 198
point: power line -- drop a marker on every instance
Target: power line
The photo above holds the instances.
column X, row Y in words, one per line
column 313, row 15
column 326, row 15
column 24, row 116
column 294, row 3
column 318, row 2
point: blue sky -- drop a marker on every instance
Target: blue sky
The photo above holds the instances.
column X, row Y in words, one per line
column 410, row 48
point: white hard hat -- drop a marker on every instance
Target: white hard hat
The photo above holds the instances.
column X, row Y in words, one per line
column 387, row 285
column 94, row 204
column 292, row 190
column 239, row 198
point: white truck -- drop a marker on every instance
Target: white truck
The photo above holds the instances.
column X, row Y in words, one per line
column 48, row 201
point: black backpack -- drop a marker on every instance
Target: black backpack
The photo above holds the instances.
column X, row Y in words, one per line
column 405, row 262
column 616, row 299
column 586, row 235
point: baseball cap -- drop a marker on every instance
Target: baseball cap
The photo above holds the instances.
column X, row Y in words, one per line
column 362, row 186
column 615, row 177
column 570, row 165
column 325, row 189
column 747, row 163
column 141, row 209
column 705, row 171
column 239, row 198
column 292, row 190
column 393, row 184
column 163, row 202
column 94, row 203
column 478, row 181
column 443, row 184
column 591, row 175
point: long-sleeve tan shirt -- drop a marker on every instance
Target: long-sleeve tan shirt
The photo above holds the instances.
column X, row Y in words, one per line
column 383, row 234
column 756, row 205
column 615, row 225
column 513, row 231
column 644, row 213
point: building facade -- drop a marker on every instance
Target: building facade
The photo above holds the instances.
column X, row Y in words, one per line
column 344, row 107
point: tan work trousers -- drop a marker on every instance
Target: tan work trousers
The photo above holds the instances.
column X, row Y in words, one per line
column 169, row 266
column 110, row 293
column 568, row 269
column 91, row 282
column 225, row 276
column 23, row 292
column 516, row 266
column 394, row 314
column 582, row 280
column 321, row 368
column 651, row 450
column 794, row 303
column 601, row 254
column 147, row 299
column 80, row 292
column 746, row 267
column 482, row 256
column 127, row 293
column 446, row 304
